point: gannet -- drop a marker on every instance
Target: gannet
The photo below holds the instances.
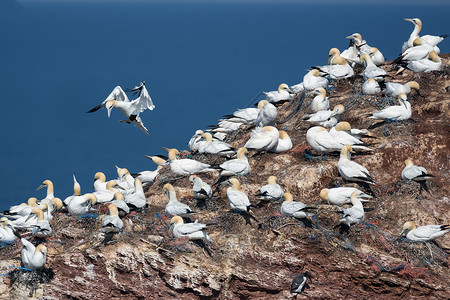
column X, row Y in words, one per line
column 376, row 56
column 79, row 205
column 267, row 115
column 42, row 227
column 33, row 258
column 99, row 182
column 354, row 214
column 226, row 126
column 272, row 191
column 54, row 205
column 431, row 63
column 111, row 222
column 209, row 146
column 284, row 143
column 136, row 200
column 371, row 70
column 158, row 160
column 340, row 69
column 312, row 81
column 27, row 222
column 395, row 112
column 50, row 193
column 192, row 230
column 131, row 109
column 340, row 134
column 76, row 191
column 321, row 140
column 238, row 166
column 393, row 89
column 119, row 202
column 360, row 44
column 430, row 39
column 290, row 208
column 245, row 115
column 125, row 180
column 297, row 88
column 238, row 200
column 420, row 50
column 7, row 231
column 147, row 177
column 351, row 54
column 320, row 102
column 194, row 141
column 263, row 138
column 371, row 87
column 21, row 210
column 282, row 94
column 326, row 118
column 174, row 207
column 424, row 233
column 299, row 282
column 413, row 172
column 201, row 189
column 107, row 195
column 340, row 195
column 351, row 170
column 220, row 136
column 186, row 166
column 332, row 54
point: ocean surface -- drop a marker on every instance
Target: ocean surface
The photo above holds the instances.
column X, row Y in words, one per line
column 199, row 61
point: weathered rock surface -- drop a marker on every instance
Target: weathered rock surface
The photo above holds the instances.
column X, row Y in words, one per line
column 259, row 261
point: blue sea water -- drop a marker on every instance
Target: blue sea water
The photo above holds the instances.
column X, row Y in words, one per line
column 199, row 60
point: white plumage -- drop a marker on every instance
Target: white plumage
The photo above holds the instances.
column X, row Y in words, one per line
column 424, row 233
column 351, row 170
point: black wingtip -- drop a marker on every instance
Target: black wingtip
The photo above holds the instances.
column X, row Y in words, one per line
column 444, row 36
column 95, row 108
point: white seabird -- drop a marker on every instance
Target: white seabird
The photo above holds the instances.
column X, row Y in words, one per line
column 340, row 195
column 282, row 94
column 136, row 200
column 430, row 39
column 50, row 191
column 7, row 231
column 131, row 109
column 326, row 118
column 431, row 63
column 245, row 115
column 332, row 54
column 424, row 233
column 226, row 126
column 394, row 89
column 272, row 191
column 33, row 258
column 76, row 191
column 290, row 208
column 42, row 227
column 112, row 223
column 312, row 80
column 350, row 170
column 371, row 70
column 201, row 189
column 420, row 50
column 21, row 210
column 99, row 182
column 194, row 231
column 107, row 195
column 340, row 133
column 320, row 102
column 147, row 177
column 27, row 222
column 371, row 87
column 79, row 205
column 267, row 115
column 339, row 70
column 238, row 200
column 238, row 166
column 186, row 166
column 121, row 205
column 354, row 214
column 376, row 56
column 395, row 112
column 194, row 141
column 210, row 146
column 284, row 143
column 413, row 172
column 174, row 207
column 263, row 138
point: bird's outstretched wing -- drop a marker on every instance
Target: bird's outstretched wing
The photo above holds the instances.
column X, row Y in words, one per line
column 117, row 94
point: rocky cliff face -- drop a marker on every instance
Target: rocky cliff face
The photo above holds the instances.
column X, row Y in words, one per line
column 259, row 260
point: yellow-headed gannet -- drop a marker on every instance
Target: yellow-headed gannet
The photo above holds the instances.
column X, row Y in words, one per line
column 340, row 195
column 147, row 177
column 272, row 191
column 371, row 87
column 76, row 191
column 332, row 54
column 107, row 195
column 267, row 115
column 158, row 160
column 33, row 258
column 323, row 141
column 194, row 231
column 424, row 233
column 312, row 80
column 282, row 94
column 326, row 118
column 186, row 166
column 125, row 180
column 119, row 202
column 99, row 182
column 430, row 39
column 131, row 109
column 21, row 210
column 340, row 69
column 299, row 282
column 226, row 126
column 238, row 166
column 394, row 89
column 136, row 200
column 7, row 231
column 354, row 214
column 351, row 170
column 27, row 222
column 290, row 208
column 284, row 143
column 54, row 205
column 238, row 200
column 320, row 102
column 42, row 227
column 209, row 146
column 263, row 138
column 413, row 172
column 194, row 141
column 420, row 50
column 341, row 133
column 111, row 222
column 245, row 115
column 174, row 207
column 361, row 45
column 201, row 189
column 50, row 192
column 431, row 63
column 371, row 70
column 376, row 56
column 395, row 112
column 79, row 205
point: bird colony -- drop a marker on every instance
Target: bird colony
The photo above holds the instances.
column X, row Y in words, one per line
column 260, row 134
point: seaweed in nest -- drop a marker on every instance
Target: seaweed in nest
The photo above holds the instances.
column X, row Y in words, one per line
column 31, row 279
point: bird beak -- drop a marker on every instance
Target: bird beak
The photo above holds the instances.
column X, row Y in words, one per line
column 409, row 20
column 109, row 111
column 30, row 216
column 364, row 200
column 289, row 90
column 401, row 233
column 329, row 58
column 41, row 186
column 349, row 37
column 119, row 187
